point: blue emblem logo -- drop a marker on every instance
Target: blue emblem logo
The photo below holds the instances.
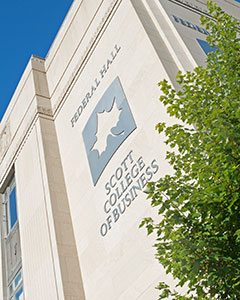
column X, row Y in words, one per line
column 110, row 123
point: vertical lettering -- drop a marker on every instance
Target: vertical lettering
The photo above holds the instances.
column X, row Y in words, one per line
column 130, row 156
column 97, row 82
column 123, row 163
column 79, row 110
column 124, row 207
column 72, row 121
column 84, row 102
column 154, row 166
column 93, row 89
column 179, row 20
column 118, row 194
column 109, row 62
column 190, row 25
column 109, row 221
column 123, row 187
column 127, row 199
column 143, row 180
column 88, row 96
column 149, row 173
column 113, row 201
column 105, row 207
column 103, row 71
column 117, row 48
column 107, row 188
column 200, row 29
column 141, row 163
column 116, row 215
column 103, row 229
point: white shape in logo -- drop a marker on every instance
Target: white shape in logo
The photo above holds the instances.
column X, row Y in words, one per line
column 106, row 120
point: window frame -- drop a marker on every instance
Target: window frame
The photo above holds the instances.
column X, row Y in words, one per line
column 14, row 288
column 11, row 227
column 7, row 218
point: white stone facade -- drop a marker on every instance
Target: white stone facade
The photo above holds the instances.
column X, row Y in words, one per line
column 79, row 238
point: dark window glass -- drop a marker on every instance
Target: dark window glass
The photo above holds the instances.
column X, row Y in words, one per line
column 13, row 207
column 19, row 294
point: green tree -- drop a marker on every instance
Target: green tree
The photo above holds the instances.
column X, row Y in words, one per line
column 198, row 231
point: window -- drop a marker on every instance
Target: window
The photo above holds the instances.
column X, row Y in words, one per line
column 16, row 288
column 10, row 206
column 12, row 244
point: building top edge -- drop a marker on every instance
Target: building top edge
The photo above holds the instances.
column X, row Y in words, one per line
column 35, row 63
column 62, row 30
column 35, row 59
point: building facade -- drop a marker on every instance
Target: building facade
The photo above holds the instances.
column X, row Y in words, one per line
column 78, row 146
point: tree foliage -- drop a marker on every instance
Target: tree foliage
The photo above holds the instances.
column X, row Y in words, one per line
column 198, row 235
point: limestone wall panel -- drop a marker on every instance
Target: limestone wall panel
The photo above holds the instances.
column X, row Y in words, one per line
column 37, row 260
column 117, row 265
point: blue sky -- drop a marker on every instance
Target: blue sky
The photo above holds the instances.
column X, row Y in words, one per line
column 26, row 27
